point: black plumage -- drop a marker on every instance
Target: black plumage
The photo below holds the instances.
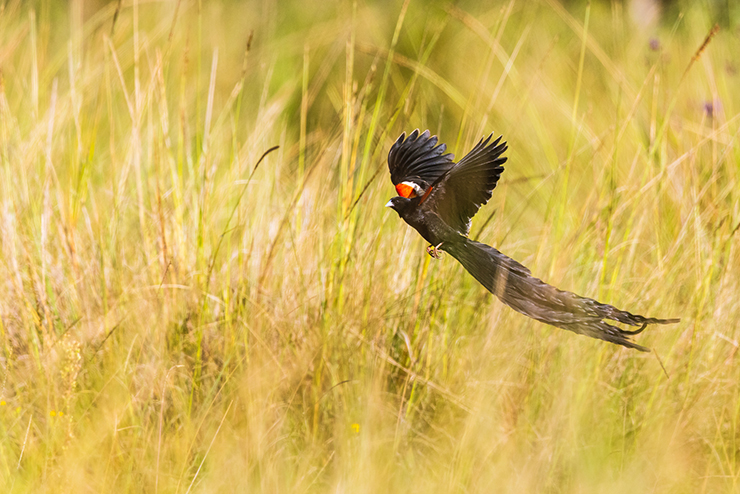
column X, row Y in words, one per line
column 440, row 209
column 418, row 159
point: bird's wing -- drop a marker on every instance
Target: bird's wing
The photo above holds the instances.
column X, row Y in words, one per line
column 458, row 194
column 417, row 161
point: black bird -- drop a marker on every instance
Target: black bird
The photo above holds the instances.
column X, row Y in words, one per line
column 438, row 197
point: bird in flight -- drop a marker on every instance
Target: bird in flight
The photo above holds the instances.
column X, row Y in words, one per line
column 439, row 197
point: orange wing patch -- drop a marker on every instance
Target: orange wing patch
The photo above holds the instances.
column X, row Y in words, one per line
column 409, row 190
column 405, row 190
column 426, row 194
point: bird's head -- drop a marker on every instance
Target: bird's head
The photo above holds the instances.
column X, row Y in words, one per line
column 407, row 192
column 400, row 204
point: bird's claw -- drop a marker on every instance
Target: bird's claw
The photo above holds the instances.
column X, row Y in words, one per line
column 433, row 251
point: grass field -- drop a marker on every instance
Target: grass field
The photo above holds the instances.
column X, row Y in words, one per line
column 184, row 310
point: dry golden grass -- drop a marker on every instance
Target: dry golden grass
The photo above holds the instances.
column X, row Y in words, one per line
column 174, row 318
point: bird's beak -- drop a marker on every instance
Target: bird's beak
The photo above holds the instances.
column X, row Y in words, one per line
column 389, row 204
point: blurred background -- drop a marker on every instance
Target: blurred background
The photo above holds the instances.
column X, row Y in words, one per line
column 186, row 307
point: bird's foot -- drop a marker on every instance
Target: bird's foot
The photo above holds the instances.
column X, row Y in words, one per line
column 433, row 251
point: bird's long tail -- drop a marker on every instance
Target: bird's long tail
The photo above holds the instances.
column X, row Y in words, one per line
column 516, row 287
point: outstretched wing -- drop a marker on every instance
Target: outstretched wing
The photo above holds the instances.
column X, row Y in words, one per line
column 416, row 162
column 458, row 194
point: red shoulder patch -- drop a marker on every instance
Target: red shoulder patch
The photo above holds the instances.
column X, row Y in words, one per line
column 426, row 194
column 405, row 191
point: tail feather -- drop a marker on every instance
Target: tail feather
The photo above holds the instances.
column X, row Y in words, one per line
column 515, row 286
